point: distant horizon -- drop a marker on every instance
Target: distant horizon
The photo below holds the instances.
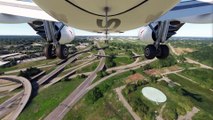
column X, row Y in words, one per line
column 188, row 30
column 103, row 36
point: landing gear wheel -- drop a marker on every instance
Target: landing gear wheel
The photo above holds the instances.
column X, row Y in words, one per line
column 162, row 52
column 150, row 51
column 62, row 51
column 49, row 51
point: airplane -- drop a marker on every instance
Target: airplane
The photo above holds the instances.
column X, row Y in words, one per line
column 51, row 19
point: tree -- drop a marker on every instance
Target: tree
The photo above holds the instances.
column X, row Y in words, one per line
column 94, row 95
column 29, row 72
column 133, row 71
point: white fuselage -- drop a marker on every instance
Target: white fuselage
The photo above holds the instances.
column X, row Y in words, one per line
column 91, row 15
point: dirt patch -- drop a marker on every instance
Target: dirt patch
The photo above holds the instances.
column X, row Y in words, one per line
column 189, row 114
column 183, row 50
column 134, row 78
column 162, row 71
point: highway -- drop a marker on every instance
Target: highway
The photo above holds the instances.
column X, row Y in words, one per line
column 68, row 74
column 61, row 67
column 25, row 97
column 14, row 99
column 10, row 88
column 119, row 72
column 60, row 111
column 129, row 66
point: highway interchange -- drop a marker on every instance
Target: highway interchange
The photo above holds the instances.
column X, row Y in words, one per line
column 12, row 107
column 59, row 112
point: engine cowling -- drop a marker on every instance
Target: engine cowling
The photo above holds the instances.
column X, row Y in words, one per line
column 146, row 34
column 66, row 35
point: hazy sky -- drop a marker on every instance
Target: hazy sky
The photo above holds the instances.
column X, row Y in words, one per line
column 188, row 30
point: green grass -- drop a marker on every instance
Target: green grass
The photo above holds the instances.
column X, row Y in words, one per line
column 123, row 61
column 206, row 103
column 89, row 68
column 48, row 99
column 175, row 104
column 106, row 108
column 203, row 55
column 201, row 115
column 187, row 65
column 202, row 76
column 3, row 99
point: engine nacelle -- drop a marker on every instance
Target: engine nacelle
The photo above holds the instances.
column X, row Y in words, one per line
column 146, row 34
column 66, row 34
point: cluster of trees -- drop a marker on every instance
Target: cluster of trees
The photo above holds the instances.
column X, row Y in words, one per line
column 16, row 40
column 110, row 62
column 102, row 73
column 170, row 61
column 10, row 64
column 98, row 92
column 77, row 41
column 203, row 55
column 94, row 95
column 133, row 87
column 135, row 47
column 139, row 106
column 29, row 72
column 21, row 44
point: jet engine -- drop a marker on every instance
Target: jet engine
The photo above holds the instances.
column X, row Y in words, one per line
column 57, row 35
column 147, row 34
column 64, row 36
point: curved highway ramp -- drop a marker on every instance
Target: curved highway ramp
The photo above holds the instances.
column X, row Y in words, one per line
column 4, row 108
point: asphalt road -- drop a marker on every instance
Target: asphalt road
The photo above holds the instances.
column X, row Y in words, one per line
column 61, row 67
column 12, row 100
column 129, row 66
column 25, row 96
column 59, row 112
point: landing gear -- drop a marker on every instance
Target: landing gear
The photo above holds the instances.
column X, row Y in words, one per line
column 162, row 52
column 151, row 52
column 54, row 48
column 62, row 51
column 49, row 51
column 156, row 49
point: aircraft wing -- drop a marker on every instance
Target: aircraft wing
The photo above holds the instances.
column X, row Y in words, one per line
column 187, row 9
column 23, row 9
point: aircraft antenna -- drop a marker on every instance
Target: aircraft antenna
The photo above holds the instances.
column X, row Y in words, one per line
column 106, row 9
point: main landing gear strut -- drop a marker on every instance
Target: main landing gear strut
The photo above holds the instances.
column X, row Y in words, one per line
column 158, row 49
column 54, row 48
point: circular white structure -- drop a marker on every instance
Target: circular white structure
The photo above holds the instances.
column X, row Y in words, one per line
column 154, row 94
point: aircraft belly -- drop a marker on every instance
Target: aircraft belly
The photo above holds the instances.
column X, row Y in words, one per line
column 90, row 15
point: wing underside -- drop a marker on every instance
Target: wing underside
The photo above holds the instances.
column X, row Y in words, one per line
column 23, row 9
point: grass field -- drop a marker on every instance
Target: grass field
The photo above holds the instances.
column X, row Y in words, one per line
column 123, row 61
column 202, row 76
column 89, row 68
column 175, row 105
column 199, row 96
column 48, row 99
column 3, row 99
column 106, row 108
